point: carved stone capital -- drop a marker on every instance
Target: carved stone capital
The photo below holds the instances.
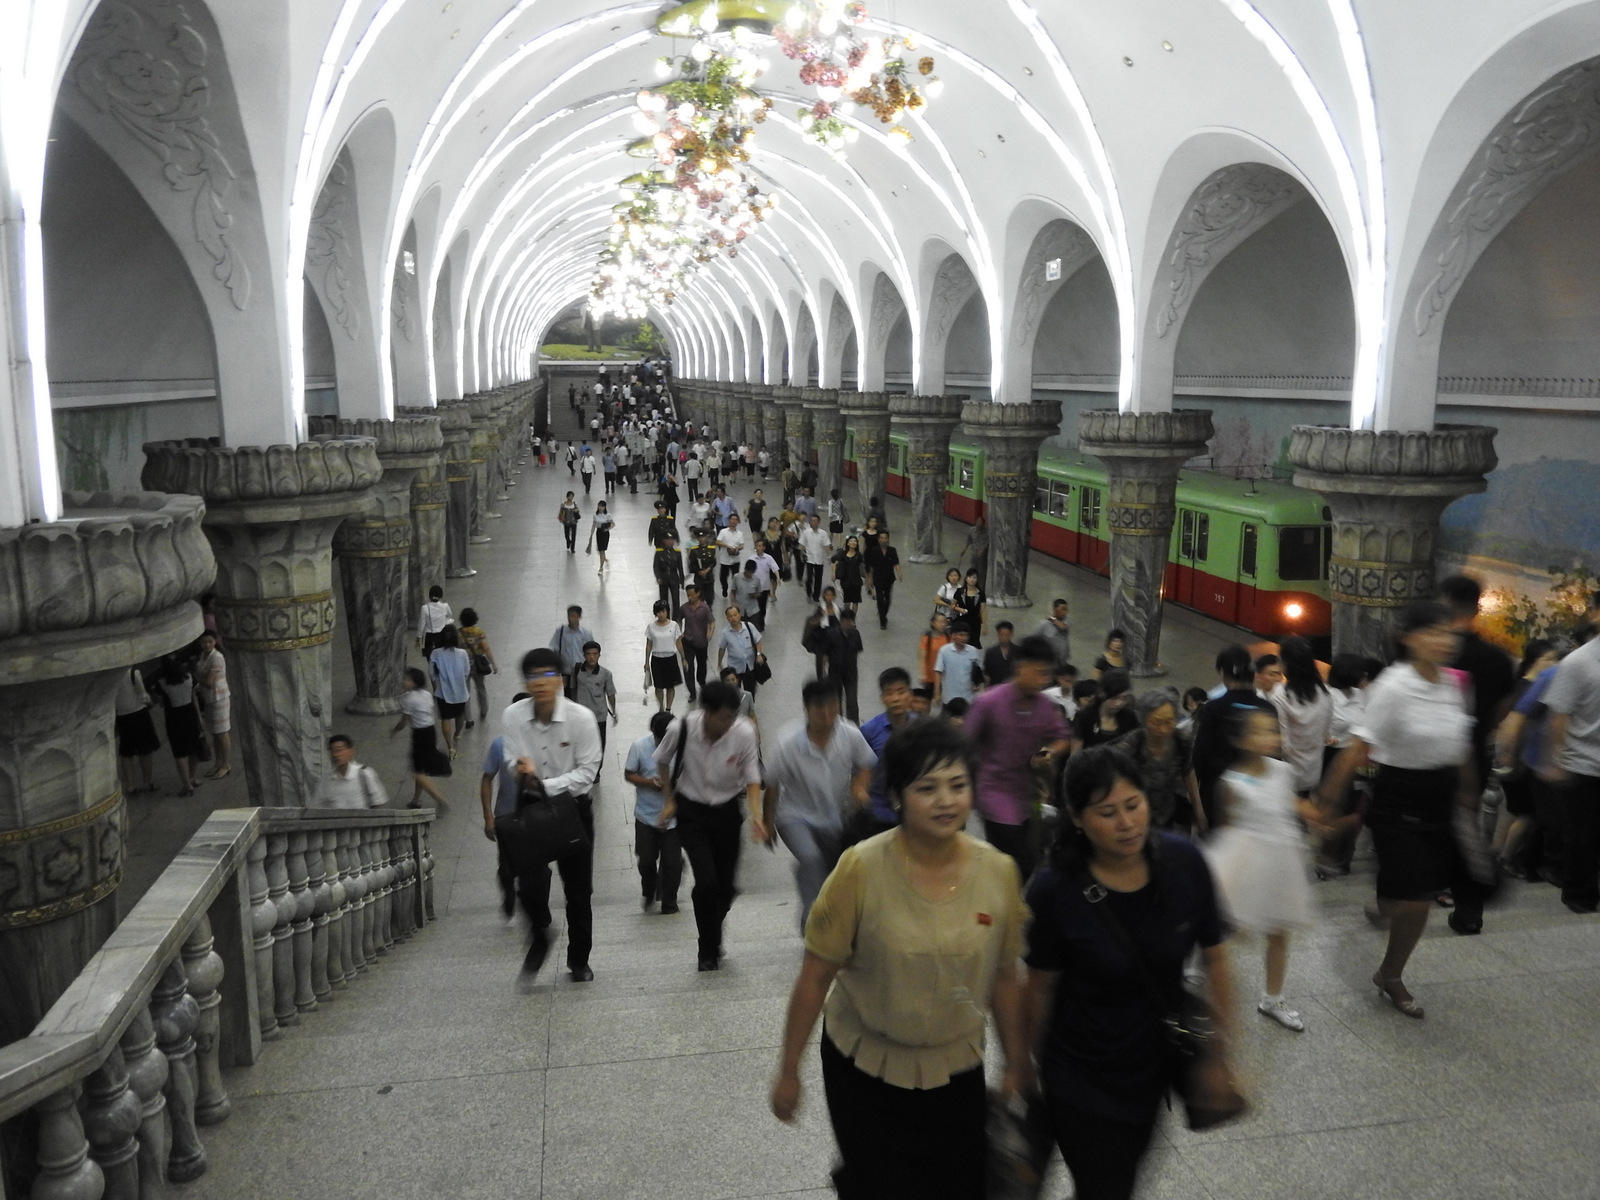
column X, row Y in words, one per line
column 934, row 412
column 405, row 435
column 262, row 475
column 863, row 405
column 1182, row 433
column 1415, row 462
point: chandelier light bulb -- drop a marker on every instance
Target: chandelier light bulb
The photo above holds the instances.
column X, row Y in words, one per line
column 933, row 87
column 701, row 52
column 663, row 67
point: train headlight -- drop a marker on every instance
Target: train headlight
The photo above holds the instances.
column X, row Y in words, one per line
column 1294, row 611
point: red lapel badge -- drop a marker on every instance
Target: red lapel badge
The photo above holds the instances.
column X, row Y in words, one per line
column 985, row 919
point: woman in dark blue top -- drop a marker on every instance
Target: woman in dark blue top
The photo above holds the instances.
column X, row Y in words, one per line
column 1099, row 1029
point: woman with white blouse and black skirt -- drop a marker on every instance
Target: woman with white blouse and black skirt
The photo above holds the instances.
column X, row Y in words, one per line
column 1417, row 729
column 663, row 640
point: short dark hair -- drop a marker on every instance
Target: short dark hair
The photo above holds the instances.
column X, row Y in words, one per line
column 1114, row 683
column 726, row 671
column 340, row 739
column 449, row 638
column 1067, row 668
column 1093, row 772
column 820, row 691
column 920, row 747
column 1233, row 662
column 659, row 723
column 1036, row 649
column 416, row 678
column 1086, row 689
column 1265, row 661
column 892, row 676
column 1347, row 671
column 540, row 658
column 1115, row 635
column 590, row 645
column 1059, row 600
column 574, row 608
column 1461, row 594
column 960, row 627
column 469, row 616
column 1419, row 614
column 719, row 697
column 436, row 592
column 1005, row 625
column 956, row 708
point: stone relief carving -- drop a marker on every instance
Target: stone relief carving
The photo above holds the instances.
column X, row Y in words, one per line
column 144, row 66
column 400, row 307
column 840, row 327
column 886, row 309
column 1544, row 136
column 1060, row 239
column 1225, row 209
column 953, row 286
column 328, row 249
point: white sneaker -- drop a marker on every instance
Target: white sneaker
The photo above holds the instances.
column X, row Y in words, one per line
column 1280, row 1012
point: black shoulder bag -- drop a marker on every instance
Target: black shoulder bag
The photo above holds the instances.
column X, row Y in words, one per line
column 543, row 828
column 1199, row 1072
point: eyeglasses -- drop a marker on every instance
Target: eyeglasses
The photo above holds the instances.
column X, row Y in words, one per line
column 544, row 675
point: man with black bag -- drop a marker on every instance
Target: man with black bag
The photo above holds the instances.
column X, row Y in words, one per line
column 552, row 749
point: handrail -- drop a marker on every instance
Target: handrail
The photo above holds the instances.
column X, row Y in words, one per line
column 261, row 914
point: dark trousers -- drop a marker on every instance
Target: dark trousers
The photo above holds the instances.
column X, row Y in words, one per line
column 694, row 489
column 1580, row 835
column 848, row 676
column 904, row 1143
column 711, row 840
column 726, row 571
column 694, row 675
column 885, row 594
column 814, row 580
column 588, row 481
column 577, row 884
column 1015, row 840
column 572, row 537
column 660, row 855
column 1103, row 1156
column 611, row 481
column 633, row 479
column 760, row 619
column 668, row 594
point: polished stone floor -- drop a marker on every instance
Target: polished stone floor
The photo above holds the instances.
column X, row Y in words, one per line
column 437, row 1074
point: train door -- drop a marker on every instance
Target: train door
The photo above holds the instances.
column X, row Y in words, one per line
column 1249, row 555
column 1094, row 550
column 1194, row 545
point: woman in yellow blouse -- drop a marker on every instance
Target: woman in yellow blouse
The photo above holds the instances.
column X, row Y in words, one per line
column 914, row 939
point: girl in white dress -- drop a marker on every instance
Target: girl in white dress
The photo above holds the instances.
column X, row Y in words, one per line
column 1259, row 858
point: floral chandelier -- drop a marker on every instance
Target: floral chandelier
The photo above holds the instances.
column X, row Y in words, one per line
column 700, row 196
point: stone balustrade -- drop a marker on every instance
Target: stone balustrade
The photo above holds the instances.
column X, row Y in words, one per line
column 262, row 917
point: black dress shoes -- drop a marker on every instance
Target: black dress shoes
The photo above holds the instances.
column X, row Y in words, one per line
column 582, row 975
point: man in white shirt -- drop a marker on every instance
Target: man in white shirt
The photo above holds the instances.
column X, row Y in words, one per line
column 734, row 548
column 818, row 771
column 701, row 788
column 816, row 545
column 953, row 668
column 349, row 784
column 552, row 746
column 691, row 474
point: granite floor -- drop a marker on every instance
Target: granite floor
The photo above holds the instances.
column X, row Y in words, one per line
column 439, row 1073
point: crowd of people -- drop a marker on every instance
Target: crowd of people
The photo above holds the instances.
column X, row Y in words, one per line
column 1006, row 837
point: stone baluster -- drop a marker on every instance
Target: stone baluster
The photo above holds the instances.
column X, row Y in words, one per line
column 66, row 1172
column 455, row 419
column 425, row 866
column 350, row 913
column 382, row 926
column 285, row 907
column 375, row 553
column 1142, row 453
column 405, row 908
column 1010, row 435
column 338, row 956
column 271, row 515
column 174, row 1014
column 1386, row 490
column 202, row 966
column 148, row 1072
column 321, row 902
column 263, row 917
column 111, row 1116
column 369, row 894
column 82, row 600
column 430, row 503
column 867, row 415
column 397, row 885
column 827, row 434
column 305, row 904
column 928, row 422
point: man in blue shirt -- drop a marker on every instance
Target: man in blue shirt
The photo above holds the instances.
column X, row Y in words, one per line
column 894, row 689
column 568, row 641
column 497, row 791
column 723, row 508
column 953, row 668
column 655, row 845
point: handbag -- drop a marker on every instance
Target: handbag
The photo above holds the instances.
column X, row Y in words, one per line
column 761, row 673
column 480, row 664
column 1020, row 1142
column 543, row 829
column 1200, row 1074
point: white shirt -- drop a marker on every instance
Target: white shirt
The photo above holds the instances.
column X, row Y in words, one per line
column 735, row 544
column 815, row 544
column 1414, row 724
column 814, row 785
column 713, row 772
column 358, row 787
column 435, row 616
column 417, row 704
column 1305, row 733
column 1575, row 690
column 566, row 752
column 663, row 639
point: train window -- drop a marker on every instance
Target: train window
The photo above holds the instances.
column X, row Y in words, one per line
column 969, row 474
column 1303, row 552
column 1061, row 500
column 849, row 446
column 1195, row 543
column 1247, row 550
column 1041, row 494
column 954, row 472
column 1088, row 508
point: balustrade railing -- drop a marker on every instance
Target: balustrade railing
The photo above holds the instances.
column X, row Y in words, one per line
column 264, row 915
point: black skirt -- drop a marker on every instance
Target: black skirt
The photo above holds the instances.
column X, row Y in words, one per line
column 136, row 734
column 1410, row 819
column 664, row 671
column 183, row 731
column 426, row 757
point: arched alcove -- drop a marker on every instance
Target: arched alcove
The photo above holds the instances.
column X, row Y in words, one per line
column 316, row 341
column 897, row 364
column 968, row 353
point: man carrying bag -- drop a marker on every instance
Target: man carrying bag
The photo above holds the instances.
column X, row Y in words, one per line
column 552, row 749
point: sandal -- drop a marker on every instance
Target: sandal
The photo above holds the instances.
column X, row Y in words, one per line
column 220, row 773
column 188, row 791
column 1408, row 1006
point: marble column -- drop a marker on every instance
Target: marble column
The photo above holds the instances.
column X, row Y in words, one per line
column 772, row 407
column 827, row 433
column 754, row 399
column 374, row 549
column 796, row 433
column 732, row 408
column 82, row 599
column 1010, row 435
column 430, row 499
column 928, row 423
column 271, row 515
column 1142, row 453
column 455, row 419
column 867, row 415
column 482, row 452
column 1386, row 490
